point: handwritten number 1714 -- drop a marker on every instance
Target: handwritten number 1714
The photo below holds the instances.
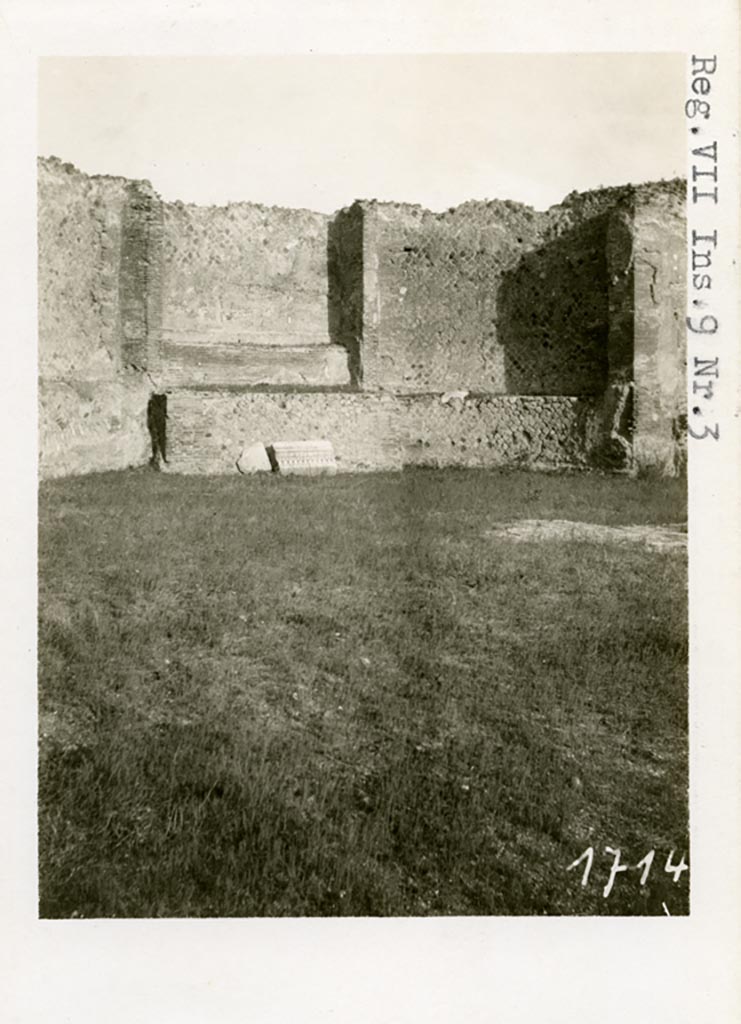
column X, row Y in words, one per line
column 587, row 858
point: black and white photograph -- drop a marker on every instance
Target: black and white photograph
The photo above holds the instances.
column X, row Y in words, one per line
column 369, row 544
column 363, row 516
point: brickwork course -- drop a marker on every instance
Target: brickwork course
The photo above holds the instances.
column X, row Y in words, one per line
column 491, row 334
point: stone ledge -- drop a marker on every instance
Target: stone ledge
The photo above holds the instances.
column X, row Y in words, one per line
column 248, row 366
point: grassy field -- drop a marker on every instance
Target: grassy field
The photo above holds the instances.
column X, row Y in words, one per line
column 344, row 696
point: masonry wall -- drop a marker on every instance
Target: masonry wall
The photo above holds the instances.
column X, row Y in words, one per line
column 244, row 297
column 431, row 289
column 644, row 404
column 207, row 430
column 553, row 318
column 92, row 425
column 492, row 296
column 659, row 338
column 79, row 240
column 92, row 407
column 565, row 327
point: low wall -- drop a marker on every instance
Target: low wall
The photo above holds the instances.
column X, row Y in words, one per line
column 207, row 430
column 90, row 426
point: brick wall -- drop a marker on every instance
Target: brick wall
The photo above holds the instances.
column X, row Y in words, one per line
column 140, row 275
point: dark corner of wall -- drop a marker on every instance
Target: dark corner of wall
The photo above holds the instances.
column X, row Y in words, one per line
column 345, row 285
column 552, row 315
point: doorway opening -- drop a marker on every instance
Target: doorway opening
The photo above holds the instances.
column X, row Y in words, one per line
column 157, row 424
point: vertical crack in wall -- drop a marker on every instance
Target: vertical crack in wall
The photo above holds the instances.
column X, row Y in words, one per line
column 654, row 276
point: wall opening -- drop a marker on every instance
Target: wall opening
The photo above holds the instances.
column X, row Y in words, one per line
column 157, row 425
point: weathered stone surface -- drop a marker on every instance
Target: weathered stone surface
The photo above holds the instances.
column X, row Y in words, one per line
column 305, row 458
column 208, row 430
column 491, row 296
column 246, row 268
column 456, row 399
column 557, row 337
column 90, row 426
column 92, row 408
column 345, row 268
column 79, row 247
column 139, row 279
column 212, row 363
column 254, row 459
column 659, row 338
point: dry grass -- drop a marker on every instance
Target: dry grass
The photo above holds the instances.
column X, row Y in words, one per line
column 350, row 696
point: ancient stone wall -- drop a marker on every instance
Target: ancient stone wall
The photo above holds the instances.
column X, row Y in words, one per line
column 562, row 328
column 79, row 243
column 140, row 274
column 431, row 294
column 92, row 407
column 493, row 296
column 659, row 339
column 552, row 313
column 244, row 297
column 644, row 404
column 88, row 426
column 208, row 430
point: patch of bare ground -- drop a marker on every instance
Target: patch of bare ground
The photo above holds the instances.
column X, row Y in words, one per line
column 672, row 537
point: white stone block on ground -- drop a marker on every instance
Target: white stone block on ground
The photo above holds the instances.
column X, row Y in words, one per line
column 307, row 457
column 254, row 459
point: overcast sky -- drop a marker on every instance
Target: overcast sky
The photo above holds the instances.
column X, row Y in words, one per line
column 320, row 131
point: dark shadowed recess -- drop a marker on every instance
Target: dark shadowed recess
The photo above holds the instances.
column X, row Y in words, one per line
column 345, row 285
column 553, row 315
column 157, row 426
